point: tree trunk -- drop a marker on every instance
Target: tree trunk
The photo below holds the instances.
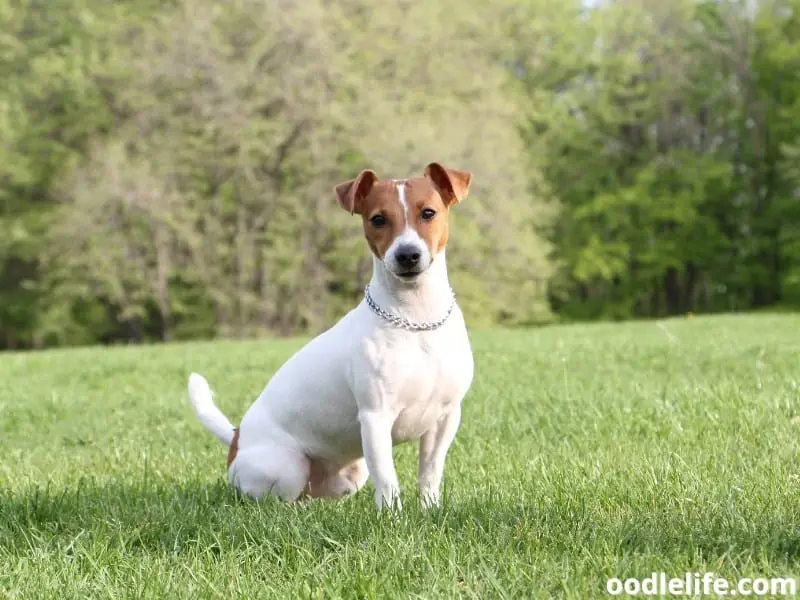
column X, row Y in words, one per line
column 672, row 291
column 691, row 284
column 162, row 281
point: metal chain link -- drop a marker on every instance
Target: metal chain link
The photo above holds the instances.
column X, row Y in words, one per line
column 404, row 323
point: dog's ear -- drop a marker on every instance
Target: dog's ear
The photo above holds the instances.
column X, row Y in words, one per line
column 453, row 185
column 351, row 193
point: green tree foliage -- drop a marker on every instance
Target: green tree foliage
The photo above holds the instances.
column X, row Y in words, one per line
column 667, row 131
column 188, row 191
column 49, row 108
column 166, row 168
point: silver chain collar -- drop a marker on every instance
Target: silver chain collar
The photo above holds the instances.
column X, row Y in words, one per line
column 404, row 323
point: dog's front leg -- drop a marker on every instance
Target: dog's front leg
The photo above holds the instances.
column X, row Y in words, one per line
column 433, row 446
column 376, row 440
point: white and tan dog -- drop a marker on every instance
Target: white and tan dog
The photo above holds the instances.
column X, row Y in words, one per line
column 394, row 369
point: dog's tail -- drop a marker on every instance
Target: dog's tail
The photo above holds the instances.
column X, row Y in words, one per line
column 210, row 416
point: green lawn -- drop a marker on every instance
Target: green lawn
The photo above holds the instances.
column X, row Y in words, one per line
column 585, row 452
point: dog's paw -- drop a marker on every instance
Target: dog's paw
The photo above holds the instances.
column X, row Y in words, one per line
column 388, row 499
column 429, row 499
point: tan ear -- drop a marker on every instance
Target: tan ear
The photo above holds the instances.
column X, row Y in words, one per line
column 453, row 185
column 351, row 193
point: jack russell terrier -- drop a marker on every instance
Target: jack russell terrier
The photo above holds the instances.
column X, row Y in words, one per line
column 394, row 369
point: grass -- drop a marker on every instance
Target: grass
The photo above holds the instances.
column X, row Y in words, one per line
column 585, row 452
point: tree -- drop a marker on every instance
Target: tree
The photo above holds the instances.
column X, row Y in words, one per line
column 217, row 186
column 655, row 131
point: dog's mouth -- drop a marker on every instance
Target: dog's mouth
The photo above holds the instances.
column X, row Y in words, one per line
column 409, row 275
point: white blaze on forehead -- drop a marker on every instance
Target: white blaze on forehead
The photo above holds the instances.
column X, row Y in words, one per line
column 401, row 195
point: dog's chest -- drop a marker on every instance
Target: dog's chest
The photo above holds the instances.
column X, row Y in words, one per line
column 425, row 376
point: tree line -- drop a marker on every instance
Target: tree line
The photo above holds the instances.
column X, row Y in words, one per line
column 166, row 168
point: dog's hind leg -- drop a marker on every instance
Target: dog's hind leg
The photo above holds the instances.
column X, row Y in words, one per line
column 331, row 482
column 356, row 473
column 270, row 469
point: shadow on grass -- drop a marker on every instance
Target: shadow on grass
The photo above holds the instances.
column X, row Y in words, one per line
column 134, row 515
column 211, row 517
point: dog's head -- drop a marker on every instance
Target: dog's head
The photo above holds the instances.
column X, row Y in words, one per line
column 405, row 220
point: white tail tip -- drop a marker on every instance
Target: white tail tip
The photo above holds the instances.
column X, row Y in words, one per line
column 198, row 388
column 202, row 400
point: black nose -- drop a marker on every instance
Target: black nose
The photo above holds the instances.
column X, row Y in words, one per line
column 407, row 256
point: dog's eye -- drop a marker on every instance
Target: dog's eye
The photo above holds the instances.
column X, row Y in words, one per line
column 378, row 221
column 428, row 214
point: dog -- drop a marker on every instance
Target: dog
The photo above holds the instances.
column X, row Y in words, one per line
column 394, row 369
